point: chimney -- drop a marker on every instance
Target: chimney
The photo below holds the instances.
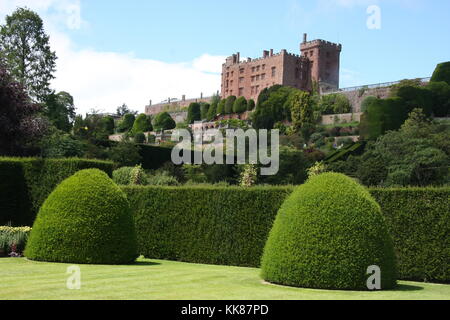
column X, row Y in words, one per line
column 150, row 103
column 265, row 54
column 183, row 98
column 305, row 37
column 168, row 100
column 201, row 95
column 271, row 52
column 238, row 57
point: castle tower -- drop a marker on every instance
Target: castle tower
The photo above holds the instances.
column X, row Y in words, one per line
column 324, row 57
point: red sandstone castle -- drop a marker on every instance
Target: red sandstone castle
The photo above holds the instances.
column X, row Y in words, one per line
column 319, row 62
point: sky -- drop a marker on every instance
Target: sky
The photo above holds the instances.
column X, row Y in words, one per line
column 112, row 52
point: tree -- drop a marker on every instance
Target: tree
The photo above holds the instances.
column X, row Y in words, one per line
column 20, row 123
column 240, row 105
column 139, row 138
column 204, row 108
column 212, row 111
column 127, row 122
column 334, row 104
column 163, row 121
column 251, row 105
column 229, row 104
column 142, row 124
column 440, row 92
column 221, row 107
column 194, row 113
column 126, row 154
column 301, row 110
column 108, row 124
column 442, row 73
column 26, row 50
column 273, row 106
column 59, row 144
column 60, row 110
column 123, row 110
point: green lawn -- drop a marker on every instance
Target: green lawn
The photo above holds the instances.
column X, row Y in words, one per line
column 154, row 279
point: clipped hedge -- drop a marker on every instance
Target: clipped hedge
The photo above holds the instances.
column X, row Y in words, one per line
column 211, row 225
column 230, row 225
column 419, row 222
column 25, row 183
column 86, row 219
column 326, row 235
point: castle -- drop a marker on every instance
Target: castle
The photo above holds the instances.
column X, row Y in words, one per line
column 319, row 62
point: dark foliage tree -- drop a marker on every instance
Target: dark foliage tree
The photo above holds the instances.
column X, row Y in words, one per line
column 26, row 50
column 442, row 73
column 142, row 123
column 229, row 103
column 163, row 121
column 194, row 113
column 20, row 124
column 240, row 105
column 60, row 110
column 127, row 122
column 204, row 108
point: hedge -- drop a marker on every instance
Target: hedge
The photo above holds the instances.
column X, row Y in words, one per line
column 210, row 225
column 86, row 219
column 25, row 183
column 230, row 225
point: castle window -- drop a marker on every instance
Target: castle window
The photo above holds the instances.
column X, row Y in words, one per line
column 297, row 73
column 257, row 77
column 263, row 76
column 264, row 67
column 274, row 71
column 253, row 78
column 241, row 79
column 241, row 71
column 257, row 69
column 311, row 53
column 253, row 69
column 241, row 91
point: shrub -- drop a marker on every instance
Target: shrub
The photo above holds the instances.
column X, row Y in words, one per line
column 229, row 103
column 251, row 105
column 25, row 183
column 142, row 123
column 240, row 105
column 86, row 219
column 194, row 113
column 442, row 73
column 139, row 138
column 326, row 235
column 122, row 176
column 162, row 179
column 163, row 121
column 13, row 240
column 367, row 102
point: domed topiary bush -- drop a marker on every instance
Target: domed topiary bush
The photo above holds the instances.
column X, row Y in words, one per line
column 86, row 219
column 326, row 235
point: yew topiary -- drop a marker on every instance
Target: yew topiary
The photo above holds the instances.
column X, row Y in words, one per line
column 326, row 235
column 87, row 220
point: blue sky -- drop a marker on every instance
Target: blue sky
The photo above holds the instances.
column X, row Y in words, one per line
column 130, row 47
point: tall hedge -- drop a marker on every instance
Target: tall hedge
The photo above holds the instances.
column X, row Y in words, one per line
column 25, row 183
column 211, row 225
column 228, row 225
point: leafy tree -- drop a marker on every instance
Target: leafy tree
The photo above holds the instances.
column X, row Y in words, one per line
column 229, row 104
column 126, row 154
column 251, row 105
column 20, row 123
column 123, row 110
column 163, row 121
column 442, row 73
column 440, row 92
column 142, row 124
column 367, row 102
column 60, row 110
column 221, row 107
column 204, row 108
column 109, row 124
column 194, row 113
column 127, row 122
column 301, row 110
column 212, row 111
column 60, row 144
column 240, row 105
column 273, row 106
column 334, row 104
column 25, row 47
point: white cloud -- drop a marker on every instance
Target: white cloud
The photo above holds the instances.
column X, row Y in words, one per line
column 105, row 80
